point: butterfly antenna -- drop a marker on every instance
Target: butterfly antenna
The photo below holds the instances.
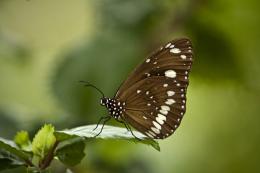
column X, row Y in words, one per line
column 87, row 84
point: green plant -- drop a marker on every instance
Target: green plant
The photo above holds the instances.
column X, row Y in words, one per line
column 67, row 146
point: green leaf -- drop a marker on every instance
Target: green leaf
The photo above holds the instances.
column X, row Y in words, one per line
column 6, row 163
column 23, row 141
column 9, row 161
column 43, row 141
column 10, row 146
column 109, row 132
column 72, row 152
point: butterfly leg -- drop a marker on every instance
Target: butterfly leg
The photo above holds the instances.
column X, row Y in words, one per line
column 107, row 118
column 128, row 128
column 100, row 121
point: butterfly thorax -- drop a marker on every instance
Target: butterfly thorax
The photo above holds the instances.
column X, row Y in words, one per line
column 115, row 107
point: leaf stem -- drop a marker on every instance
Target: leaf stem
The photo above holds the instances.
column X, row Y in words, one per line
column 49, row 157
column 29, row 163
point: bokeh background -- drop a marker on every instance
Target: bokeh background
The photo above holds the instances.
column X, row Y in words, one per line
column 47, row 46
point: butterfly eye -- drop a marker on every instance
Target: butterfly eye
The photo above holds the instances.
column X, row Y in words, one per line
column 103, row 101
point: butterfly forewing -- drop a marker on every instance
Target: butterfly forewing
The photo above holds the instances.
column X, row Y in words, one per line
column 155, row 92
column 176, row 54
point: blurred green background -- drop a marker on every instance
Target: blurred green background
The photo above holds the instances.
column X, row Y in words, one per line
column 47, row 46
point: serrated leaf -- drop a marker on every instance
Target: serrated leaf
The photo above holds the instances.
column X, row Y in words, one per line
column 23, row 141
column 109, row 132
column 72, row 152
column 10, row 146
column 43, row 141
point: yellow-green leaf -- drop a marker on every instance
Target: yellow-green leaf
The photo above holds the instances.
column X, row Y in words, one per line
column 43, row 141
column 23, row 141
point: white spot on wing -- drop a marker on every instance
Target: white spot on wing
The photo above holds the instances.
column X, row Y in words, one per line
column 167, row 108
column 168, row 45
column 170, row 93
column 175, row 50
column 165, row 85
column 148, row 134
column 158, row 126
column 147, row 74
column 183, row 56
column 148, row 60
column 160, row 118
column 151, row 133
column 170, row 101
column 170, row 73
column 138, row 91
column 155, row 130
column 163, row 112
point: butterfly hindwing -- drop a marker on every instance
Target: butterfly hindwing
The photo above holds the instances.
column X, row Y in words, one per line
column 157, row 108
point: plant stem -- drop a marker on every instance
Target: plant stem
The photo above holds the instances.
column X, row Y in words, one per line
column 48, row 158
column 29, row 163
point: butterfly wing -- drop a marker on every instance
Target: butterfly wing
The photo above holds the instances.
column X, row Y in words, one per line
column 176, row 54
column 155, row 93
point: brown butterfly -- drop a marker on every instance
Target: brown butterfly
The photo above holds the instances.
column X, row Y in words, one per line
column 153, row 98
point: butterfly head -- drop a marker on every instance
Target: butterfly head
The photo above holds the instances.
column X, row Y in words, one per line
column 103, row 101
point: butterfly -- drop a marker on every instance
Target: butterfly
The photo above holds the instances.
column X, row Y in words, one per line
column 153, row 97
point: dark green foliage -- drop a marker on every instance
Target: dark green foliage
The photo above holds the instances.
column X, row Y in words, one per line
column 9, row 161
column 72, row 152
